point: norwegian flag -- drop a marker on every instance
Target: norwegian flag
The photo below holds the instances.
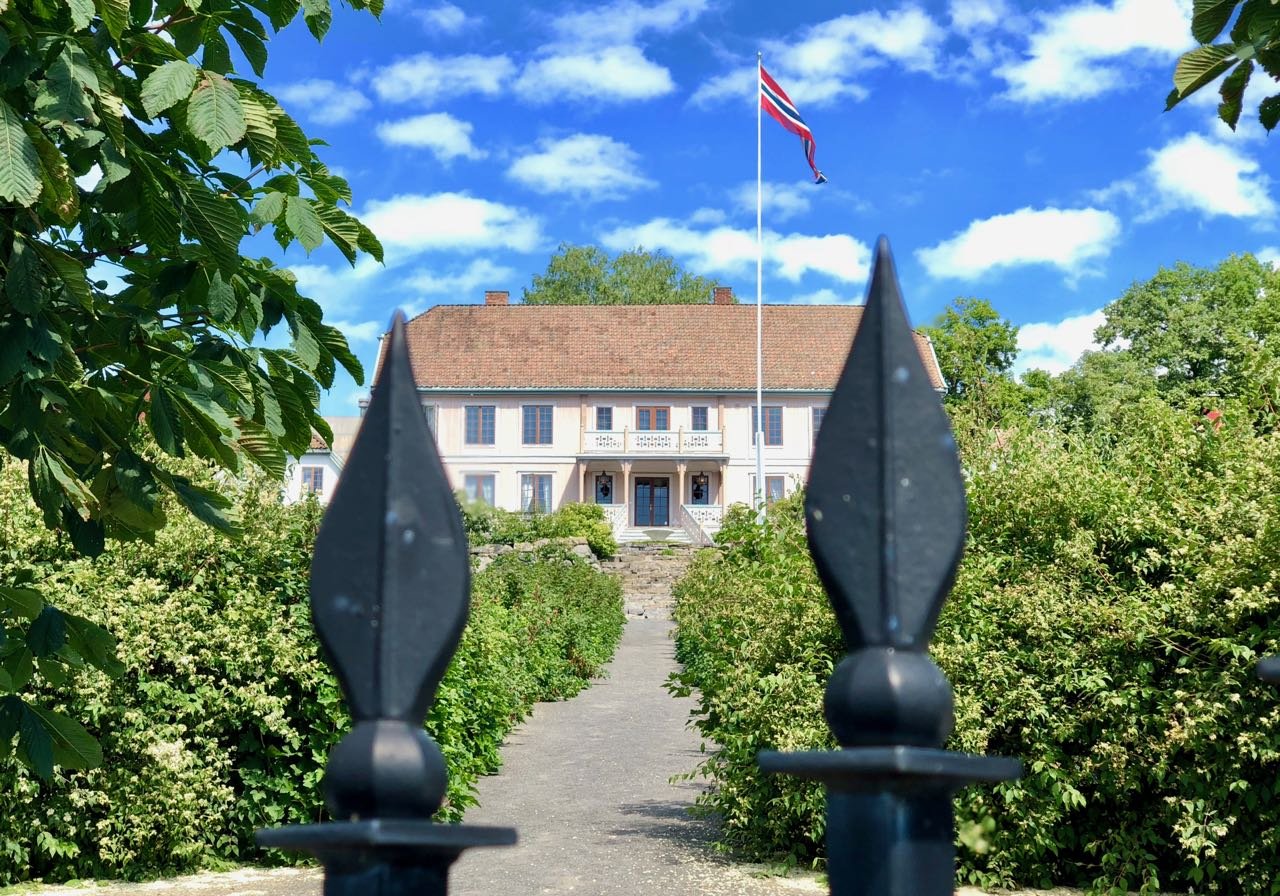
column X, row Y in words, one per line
column 774, row 100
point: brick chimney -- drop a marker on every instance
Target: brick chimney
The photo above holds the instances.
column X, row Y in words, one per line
column 722, row 295
column 496, row 296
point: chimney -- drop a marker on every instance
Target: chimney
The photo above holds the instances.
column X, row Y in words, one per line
column 722, row 295
column 496, row 296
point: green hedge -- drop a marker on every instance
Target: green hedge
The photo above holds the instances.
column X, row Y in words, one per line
column 225, row 714
column 491, row 525
column 1105, row 627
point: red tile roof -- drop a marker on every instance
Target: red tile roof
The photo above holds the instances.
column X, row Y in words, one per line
column 650, row 347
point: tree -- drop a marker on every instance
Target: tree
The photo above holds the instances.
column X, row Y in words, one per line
column 976, row 348
column 133, row 141
column 1203, row 335
column 1253, row 42
column 587, row 275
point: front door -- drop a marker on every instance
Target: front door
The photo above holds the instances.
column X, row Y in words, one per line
column 604, row 489
column 653, row 501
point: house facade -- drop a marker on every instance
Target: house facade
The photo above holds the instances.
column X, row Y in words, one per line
column 316, row 472
column 646, row 410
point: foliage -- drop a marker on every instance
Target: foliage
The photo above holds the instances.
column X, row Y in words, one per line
column 587, row 275
column 1252, row 43
column 492, row 525
column 223, row 717
column 134, row 143
column 1117, row 591
column 976, row 348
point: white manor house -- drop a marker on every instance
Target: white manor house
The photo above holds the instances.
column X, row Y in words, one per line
column 646, row 410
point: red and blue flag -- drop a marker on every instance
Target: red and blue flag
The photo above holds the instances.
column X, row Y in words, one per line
column 774, row 100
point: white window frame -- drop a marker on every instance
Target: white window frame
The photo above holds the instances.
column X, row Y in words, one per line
column 481, row 474
column 551, row 490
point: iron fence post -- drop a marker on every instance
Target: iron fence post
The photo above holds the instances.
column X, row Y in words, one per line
column 390, row 592
column 886, row 517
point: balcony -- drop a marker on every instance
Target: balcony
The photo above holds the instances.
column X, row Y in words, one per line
column 666, row 443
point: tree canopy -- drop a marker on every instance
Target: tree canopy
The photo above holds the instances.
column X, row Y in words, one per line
column 137, row 153
column 1252, row 43
column 587, row 275
column 976, row 348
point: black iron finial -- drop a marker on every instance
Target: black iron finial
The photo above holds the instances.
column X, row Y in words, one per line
column 885, row 508
column 390, row 585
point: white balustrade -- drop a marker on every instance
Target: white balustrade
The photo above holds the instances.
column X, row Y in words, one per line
column 701, row 522
column 652, row 441
column 615, row 515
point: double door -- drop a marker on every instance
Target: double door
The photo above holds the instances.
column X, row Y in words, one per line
column 653, row 501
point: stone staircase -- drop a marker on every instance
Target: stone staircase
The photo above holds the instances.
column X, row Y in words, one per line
column 648, row 571
column 637, row 535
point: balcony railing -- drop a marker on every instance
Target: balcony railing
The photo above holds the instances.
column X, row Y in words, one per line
column 646, row 441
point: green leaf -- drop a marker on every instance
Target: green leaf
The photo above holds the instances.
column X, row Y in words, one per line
column 214, row 113
column 47, row 633
column 25, row 603
column 19, row 162
column 264, row 450
column 268, row 208
column 1209, row 17
column 164, row 423
column 1198, row 67
column 60, row 97
column 94, row 643
column 221, row 299
column 260, row 127
column 73, row 746
column 35, row 742
column 72, row 274
column 303, row 222
column 23, row 281
column 252, row 47
column 207, row 506
column 169, row 84
column 116, row 14
column 82, row 13
column 1269, row 112
column 215, row 222
column 59, row 193
column 217, row 55
column 1232, row 91
column 318, row 16
column 20, row 667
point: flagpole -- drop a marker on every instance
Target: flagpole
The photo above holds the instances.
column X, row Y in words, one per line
column 760, row 486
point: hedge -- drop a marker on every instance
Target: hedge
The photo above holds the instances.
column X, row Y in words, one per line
column 1105, row 626
column 224, row 716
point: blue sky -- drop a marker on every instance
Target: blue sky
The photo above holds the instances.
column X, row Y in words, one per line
column 1023, row 157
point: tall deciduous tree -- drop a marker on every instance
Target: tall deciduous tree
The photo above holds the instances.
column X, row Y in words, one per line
column 136, row 147
column 976, row 348
column 1252, row 43
column 587, row 275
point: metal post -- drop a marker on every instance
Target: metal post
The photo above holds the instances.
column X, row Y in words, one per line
column 390, row 591
column 886, row 519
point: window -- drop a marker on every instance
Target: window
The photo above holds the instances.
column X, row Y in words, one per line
column 775, row 488
column 480, row 424
column 772, row 424
column 604, row 489
column 535, row 492
column 313, row 480
column 604, row 419
column 701, row 491
column 479, row 487
column 537, row 424
column 429, row 411
column 818, row 414
column 651, row 418
column 699, row 419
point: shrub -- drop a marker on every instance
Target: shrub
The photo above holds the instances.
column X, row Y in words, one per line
column 491, row 525
column 1105, row 625
column 224, row 717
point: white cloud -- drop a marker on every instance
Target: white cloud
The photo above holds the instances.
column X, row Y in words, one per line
column 365, row 331
column 729, row 250
column 977, row 15
column 610, row 74
column 1065, row 238
column 820, row 66
column 1195, row 173
column 589, row 166
column 428, row 78
column 325, row 102
column 446, row 137
column 479, row 275
column 1269, row 255
column 823, row 297
column 782, row 202
column 1088, row 49
column 445, row 19
column 1057, row 346
column 451, row 221
column 622, row 22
